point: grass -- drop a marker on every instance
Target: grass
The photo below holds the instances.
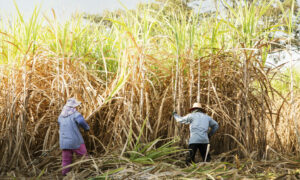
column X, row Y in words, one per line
column 225, row 166
column 130, row 74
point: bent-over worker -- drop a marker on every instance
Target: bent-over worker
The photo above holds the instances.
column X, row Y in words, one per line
column 199, row 131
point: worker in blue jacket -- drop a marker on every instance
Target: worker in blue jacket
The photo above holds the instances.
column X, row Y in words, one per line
column 70, row 139
column 200, row 123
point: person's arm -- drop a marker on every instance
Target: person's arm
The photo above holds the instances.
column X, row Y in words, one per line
column 184, row 120
column 80, row 120
column 214, row 127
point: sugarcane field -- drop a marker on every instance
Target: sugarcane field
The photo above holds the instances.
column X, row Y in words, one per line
column 150, row 89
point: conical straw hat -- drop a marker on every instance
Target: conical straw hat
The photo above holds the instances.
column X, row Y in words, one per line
column 197, row 106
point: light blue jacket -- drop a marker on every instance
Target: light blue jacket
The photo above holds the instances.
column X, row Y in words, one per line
column 69, row 134
column 199, row 126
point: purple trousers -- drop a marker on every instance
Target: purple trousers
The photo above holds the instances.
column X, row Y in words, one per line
column 67, row 155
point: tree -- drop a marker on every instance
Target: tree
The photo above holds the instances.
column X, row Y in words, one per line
column 169, row 7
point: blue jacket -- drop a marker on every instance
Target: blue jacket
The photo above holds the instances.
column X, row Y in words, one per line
column 69, row 134
column 199, row 126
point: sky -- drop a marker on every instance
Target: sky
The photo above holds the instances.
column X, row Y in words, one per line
column 64, row 8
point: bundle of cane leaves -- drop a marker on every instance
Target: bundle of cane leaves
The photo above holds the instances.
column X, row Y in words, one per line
column 149, row 153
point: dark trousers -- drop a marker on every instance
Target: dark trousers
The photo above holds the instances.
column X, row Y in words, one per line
column 193, row 149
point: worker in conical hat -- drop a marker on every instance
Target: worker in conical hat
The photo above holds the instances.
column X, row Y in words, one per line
column 202, row 127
